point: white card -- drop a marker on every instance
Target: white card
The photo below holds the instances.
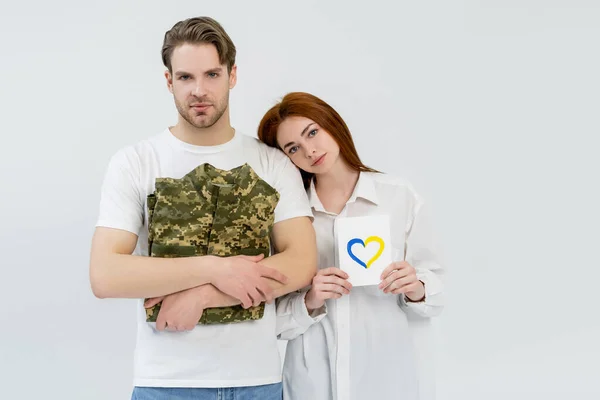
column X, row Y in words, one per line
column 364, row 248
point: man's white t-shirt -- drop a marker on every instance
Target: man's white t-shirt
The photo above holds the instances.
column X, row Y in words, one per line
column 222, row 355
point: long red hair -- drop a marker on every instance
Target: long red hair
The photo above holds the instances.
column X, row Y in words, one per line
column 306, row 105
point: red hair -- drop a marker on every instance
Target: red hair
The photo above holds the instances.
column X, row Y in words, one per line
column 300, row 104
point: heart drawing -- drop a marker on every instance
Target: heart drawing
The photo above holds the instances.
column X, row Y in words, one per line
column 370, row 239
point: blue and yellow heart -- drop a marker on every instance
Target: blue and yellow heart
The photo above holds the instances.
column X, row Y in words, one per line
column 365, row 243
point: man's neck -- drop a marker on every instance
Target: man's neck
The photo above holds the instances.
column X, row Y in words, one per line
column 221, row 132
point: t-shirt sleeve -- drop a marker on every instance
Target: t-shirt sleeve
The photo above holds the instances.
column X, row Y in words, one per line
column 121, row 202
column 293, row 201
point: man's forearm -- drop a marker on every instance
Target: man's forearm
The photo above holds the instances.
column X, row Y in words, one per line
column 129, row 276
column 213, row 297
column 299, row 266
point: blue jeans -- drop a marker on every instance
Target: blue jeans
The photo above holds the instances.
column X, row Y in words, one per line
column 264, row 392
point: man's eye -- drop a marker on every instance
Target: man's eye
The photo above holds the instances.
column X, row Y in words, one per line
column 213, row 74
column 184, row 77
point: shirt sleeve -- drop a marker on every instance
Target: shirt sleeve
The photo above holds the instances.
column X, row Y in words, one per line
column 421, row 253
column 121, row 202
column 292, row 315
column 293, row 200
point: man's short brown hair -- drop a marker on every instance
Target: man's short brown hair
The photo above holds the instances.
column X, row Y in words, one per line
column 199, row 30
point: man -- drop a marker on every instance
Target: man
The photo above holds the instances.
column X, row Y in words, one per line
column 176, row 201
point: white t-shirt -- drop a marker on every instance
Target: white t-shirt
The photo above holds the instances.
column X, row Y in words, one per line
column 222, row 355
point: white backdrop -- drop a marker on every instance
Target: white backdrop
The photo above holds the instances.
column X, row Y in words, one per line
column 489, row 107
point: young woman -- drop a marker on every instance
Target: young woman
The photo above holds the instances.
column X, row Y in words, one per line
column 354, row 343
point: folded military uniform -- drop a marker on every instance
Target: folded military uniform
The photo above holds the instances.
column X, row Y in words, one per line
column 212, row 212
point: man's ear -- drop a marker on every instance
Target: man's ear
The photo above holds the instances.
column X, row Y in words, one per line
column 233, row 77
column 169, row 79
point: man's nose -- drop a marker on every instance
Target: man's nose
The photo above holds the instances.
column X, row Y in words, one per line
column 199, row 89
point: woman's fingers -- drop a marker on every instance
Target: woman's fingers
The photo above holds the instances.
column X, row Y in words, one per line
column 332, row 279
column 331, row 287
column 333, row 271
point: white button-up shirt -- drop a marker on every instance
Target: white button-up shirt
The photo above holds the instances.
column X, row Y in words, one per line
column 366, row 345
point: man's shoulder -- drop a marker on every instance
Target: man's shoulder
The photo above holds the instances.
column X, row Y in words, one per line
column 139, row 152
column 255, row 143
column 271, row 157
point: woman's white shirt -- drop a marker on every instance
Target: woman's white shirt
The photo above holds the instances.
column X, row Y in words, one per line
column 366, row 344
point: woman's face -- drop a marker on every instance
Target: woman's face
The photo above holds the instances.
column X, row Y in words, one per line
column 310, row 147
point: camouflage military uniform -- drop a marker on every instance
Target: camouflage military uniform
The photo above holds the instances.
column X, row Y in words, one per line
column 212, row 212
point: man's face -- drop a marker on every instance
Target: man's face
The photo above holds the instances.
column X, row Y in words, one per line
column 200, row 84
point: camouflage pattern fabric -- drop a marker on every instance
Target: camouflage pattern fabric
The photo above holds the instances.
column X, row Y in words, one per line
column 212, row 212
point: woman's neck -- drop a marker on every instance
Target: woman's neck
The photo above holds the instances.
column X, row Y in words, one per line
column 335, row 187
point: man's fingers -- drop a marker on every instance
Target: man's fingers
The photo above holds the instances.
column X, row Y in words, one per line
column 153, row 301
column 256, row 258
column 161, row 322
column 266, row 290
column 267, row 298
column 241, row 294
column 273, row 274
column 256, row 297
column 246, row 301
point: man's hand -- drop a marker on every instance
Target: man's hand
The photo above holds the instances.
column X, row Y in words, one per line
column 180, row 311
column 244, row 278
column 329, row 283
column 401, row 277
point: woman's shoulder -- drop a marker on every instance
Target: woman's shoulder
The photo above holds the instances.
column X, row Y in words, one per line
column 382, row 179
column 393, row 188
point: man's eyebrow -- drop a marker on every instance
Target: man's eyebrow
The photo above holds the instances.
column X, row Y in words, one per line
column 217, row 69
column 180, row 73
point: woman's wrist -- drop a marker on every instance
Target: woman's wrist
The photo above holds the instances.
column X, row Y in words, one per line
column 416, row 296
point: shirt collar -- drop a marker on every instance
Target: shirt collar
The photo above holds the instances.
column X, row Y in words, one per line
column 313, row 199
column 364, row 189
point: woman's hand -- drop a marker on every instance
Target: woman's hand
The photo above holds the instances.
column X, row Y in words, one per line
column 401, row 277
column 329, row 283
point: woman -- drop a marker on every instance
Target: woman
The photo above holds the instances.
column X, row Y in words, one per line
column 365, row 342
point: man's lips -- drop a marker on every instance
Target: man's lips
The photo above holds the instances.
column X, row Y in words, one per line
column 200, row 107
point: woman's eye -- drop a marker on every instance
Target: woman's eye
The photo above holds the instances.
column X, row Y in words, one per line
column 293, row 149
column 312, row 133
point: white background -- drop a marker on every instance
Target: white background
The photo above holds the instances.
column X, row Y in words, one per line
column 491, row 108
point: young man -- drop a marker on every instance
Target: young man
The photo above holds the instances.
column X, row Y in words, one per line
column 199, row 205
